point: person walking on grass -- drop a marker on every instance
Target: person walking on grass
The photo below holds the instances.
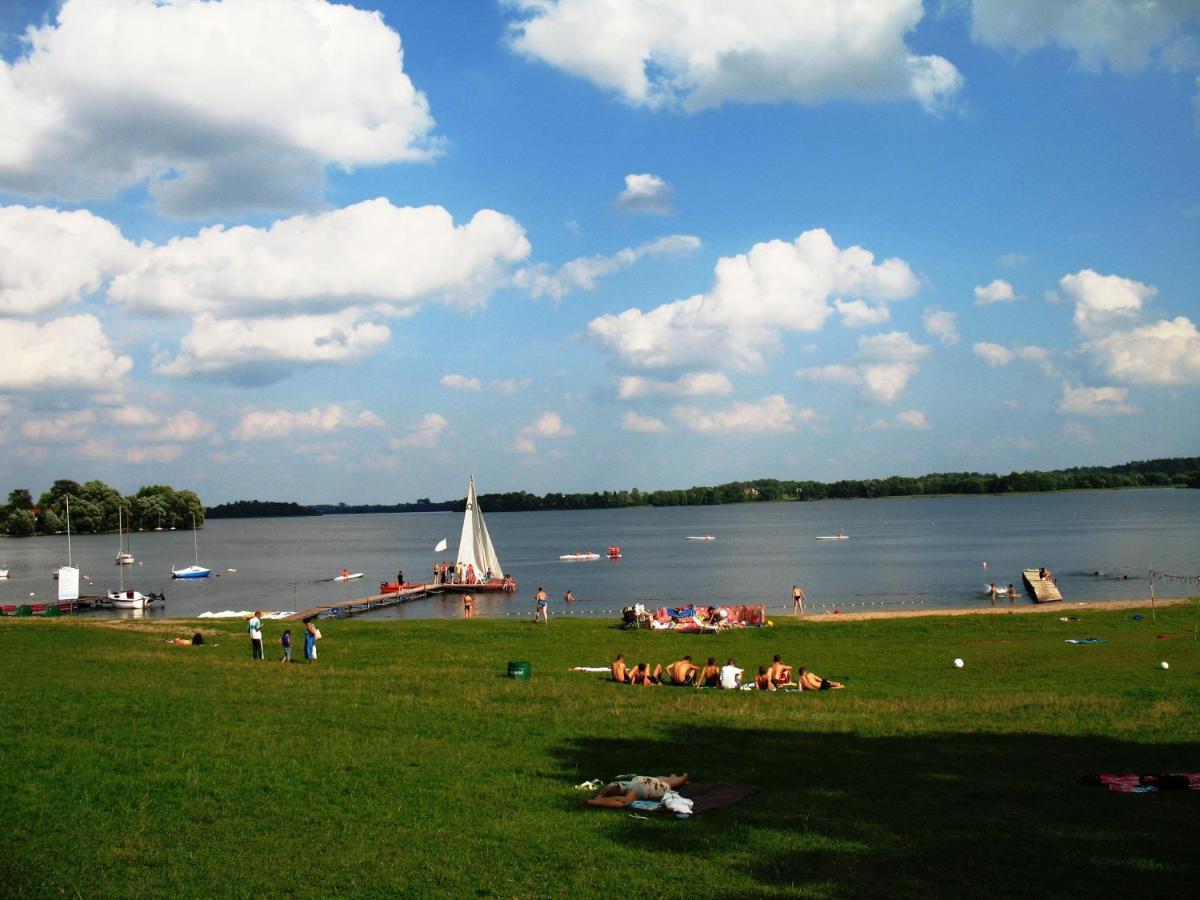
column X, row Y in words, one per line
column 254, row 626
column 310, row 642
column 541, row 609
column 285, row 641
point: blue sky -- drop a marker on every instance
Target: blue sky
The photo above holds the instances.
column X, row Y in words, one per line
column 289, row 249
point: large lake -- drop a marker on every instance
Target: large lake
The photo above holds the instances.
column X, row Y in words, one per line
column 901, row 553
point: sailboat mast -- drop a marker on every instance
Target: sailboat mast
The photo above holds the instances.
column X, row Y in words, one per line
column 69, row 562
column 195, row 541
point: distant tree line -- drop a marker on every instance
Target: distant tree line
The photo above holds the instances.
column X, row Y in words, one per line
column 1173, row 472
column 249, row 509
column 94, row 509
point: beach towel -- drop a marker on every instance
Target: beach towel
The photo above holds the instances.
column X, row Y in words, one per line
column 1087, row 640
column 589, row 668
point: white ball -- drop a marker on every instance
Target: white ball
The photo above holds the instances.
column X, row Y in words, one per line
column 1165, row 664
column 958, row 664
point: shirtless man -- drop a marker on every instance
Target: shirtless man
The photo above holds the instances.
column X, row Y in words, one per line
column 637, row 787
column 643, row 677
column 710, row 675
column 810, row 682
column 762, row 681
column 780, row 674
column 683, row 671
column 620, row 672
column 798, row 599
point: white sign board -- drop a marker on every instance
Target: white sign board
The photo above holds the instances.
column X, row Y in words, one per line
column 68, row 583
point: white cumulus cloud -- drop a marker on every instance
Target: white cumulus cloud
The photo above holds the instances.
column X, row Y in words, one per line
column 548, row 425
column 643, row 424
column 583, row 273
column 771, row 415
column 1126, row 35
column 996, row 291
column 910, row 419
column 216, row 106
column 941, row 324
column 50, row 258
column 1094, row 402
column 273, row 424
column 882, row 367
column 994, row 355
column 460, row 383
column 372, row 251
column 699, row 54
column 645, row 193
column 1163, row 353
column 70, row 353
column 66, row 428
column 426, row 434
column 259, row 351
column 1104, row 300
column 860, row 314
column 777, row 287
column 693, row 384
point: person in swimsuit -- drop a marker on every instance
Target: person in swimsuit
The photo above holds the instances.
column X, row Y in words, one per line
column 682, row 672
column 541, row 609
column 762, row 681
column 643, row 677
column 710, row 675
column 468, row 606
column 568, row 597
column 621, row 793
column 811, row 682
column 620, row 672
column 797, row 600
column 780, row 674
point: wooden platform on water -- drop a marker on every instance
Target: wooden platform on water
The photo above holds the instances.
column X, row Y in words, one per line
column 345, row 608
column 1042, row 590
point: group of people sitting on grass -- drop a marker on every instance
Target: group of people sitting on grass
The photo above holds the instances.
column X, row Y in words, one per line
column 685, row 673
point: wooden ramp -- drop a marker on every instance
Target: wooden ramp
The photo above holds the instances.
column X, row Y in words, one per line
column 1042, row 590
column 346, row 608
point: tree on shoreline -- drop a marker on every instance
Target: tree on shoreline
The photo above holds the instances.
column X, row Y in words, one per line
column 94, row 509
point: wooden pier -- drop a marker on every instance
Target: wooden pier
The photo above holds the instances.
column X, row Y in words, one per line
column 1042, row 590
column 346, row 608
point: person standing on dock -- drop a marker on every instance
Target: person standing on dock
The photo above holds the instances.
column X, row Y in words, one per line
column 798, row 599
column 254, row 626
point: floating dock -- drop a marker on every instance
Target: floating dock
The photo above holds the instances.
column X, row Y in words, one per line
column 346, row 608
column 1042, row 590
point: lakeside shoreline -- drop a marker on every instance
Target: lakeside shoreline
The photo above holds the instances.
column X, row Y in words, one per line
column 997, row 610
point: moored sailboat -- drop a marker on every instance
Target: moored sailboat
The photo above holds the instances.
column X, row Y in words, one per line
column 477, row 560
column 195, row 570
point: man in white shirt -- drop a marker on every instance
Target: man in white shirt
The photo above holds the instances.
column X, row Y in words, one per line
column 731, row 676
column 254, row 626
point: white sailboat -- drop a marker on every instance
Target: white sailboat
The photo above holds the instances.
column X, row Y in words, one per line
column 476, row 553
column 124, row 557
column 68, row 575
column 195, row 570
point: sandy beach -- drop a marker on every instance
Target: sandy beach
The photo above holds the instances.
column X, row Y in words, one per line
column 1000, row 609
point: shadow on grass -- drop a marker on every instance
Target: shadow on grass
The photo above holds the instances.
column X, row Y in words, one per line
column 930, row 815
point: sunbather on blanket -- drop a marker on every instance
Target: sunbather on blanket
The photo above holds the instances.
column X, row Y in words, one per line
column 642, row 675
column 637, row 787
column 682, row 672
column 810, row 682
column 620, row 672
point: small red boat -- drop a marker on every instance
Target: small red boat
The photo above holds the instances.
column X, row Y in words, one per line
column 614, row 552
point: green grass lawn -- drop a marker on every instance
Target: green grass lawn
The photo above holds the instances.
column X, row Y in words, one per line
column 405, row 762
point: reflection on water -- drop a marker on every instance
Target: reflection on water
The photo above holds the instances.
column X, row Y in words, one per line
column 901, row 553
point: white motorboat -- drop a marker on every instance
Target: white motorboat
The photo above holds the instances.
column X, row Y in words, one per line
column 131, row 599
column 579, row 557
column 700, row 537
column 3, row 573
column 834, row 537
column 348, row 576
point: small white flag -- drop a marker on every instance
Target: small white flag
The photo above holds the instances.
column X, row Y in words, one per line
column 441, row 545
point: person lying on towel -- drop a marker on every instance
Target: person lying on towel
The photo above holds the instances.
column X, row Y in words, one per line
column 810, row 682
column 636, row 787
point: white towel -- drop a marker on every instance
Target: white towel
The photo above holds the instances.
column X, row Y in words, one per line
column 677, row 803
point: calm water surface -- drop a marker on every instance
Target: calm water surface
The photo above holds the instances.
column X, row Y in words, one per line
column 902, row 553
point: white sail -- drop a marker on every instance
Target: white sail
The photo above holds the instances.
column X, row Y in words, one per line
column 475, row 546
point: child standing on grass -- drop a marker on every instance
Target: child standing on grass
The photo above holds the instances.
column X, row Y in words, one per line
column 285, row 641
column 254, row 626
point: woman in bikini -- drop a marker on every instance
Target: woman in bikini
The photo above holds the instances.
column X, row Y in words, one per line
column 636, row 787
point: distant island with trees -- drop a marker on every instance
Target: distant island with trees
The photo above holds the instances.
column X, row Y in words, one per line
column 94, row 509
column 1170, row 472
